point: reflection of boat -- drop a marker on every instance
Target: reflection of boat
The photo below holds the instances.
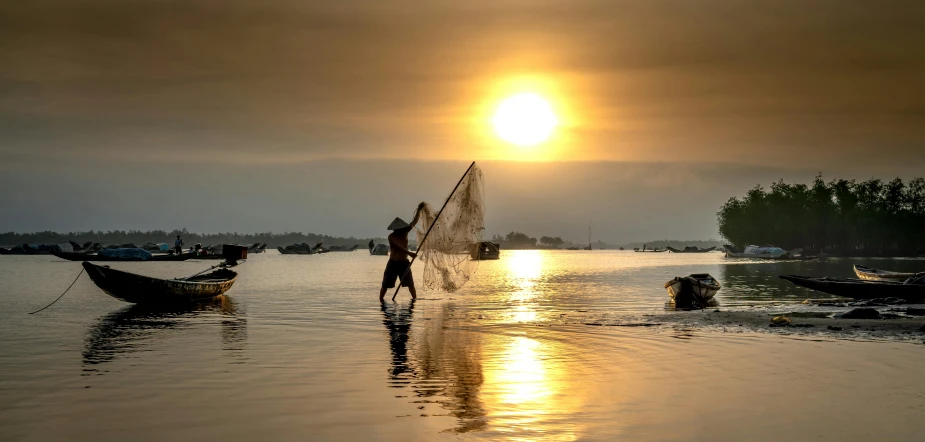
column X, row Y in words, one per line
column 486, row 250
column 380, row 250
column 872, row 274
column 697, row 288
column 860, row 289
column 76, row 256
column 130, row 287
column 127, row 330
column 690, row 249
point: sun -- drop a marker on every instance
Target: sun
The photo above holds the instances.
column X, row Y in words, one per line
column 525, row 119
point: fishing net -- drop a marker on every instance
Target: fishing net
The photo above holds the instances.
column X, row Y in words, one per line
column 450, row 251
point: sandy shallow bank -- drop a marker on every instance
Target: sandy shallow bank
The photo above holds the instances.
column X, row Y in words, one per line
column 894, row 324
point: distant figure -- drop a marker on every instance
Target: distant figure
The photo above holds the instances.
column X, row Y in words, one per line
column 643, row 247
column 371, row 245
column 399, row 266
column 178, row 245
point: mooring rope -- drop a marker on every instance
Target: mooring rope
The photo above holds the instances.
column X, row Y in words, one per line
column 62, row 295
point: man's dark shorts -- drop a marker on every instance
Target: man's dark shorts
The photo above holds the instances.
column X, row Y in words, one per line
column 394, row 270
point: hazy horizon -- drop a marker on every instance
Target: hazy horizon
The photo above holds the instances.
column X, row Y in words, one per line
column 625, row 202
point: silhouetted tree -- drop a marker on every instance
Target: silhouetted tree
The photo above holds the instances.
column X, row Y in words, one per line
column 841, row 217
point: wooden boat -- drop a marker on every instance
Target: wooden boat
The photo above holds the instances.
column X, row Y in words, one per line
column 486, row 250
column 257, row 248
column 861, row 289
column 693, row 249
column 73, row 256
column 130, row 287
column 299, row 249
column 695, row 289
column 872, row 274
column 651, row 251
column 342, row 248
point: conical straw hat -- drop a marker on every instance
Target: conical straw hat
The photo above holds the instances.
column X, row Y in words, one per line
column 398, row 223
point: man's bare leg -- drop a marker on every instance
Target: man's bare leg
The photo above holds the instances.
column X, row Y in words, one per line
column 414, row 293
column 382, row 294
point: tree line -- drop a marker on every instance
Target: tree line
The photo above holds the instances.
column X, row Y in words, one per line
column 839, row 217
column 140, row 238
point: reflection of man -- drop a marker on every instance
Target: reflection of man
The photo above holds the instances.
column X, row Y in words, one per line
column 398, row 320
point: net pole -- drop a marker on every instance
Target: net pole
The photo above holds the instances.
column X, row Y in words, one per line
column 402, row 280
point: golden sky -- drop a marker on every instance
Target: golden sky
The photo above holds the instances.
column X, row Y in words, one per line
column 760, row 82
column 279, row 115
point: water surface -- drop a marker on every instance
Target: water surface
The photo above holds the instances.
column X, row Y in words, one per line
column 300, row 349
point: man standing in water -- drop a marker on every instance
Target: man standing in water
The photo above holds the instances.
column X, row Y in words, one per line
column 399, row 266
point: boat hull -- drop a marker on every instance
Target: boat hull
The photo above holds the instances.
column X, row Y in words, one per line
column 140, row 289
column 860, row 289
column 73, row 256
column 872, row 274
column 697, row 288
column 674, row 250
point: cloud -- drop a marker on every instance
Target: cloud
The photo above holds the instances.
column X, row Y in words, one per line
column 242, row 81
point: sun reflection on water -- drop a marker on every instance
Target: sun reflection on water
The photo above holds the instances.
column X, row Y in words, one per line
column 524, row 270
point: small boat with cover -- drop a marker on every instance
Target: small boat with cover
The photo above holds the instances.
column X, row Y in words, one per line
column 913, row 290
column 872, row 274
column 697, row 288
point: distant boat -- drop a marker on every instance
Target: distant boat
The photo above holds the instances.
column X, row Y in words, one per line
column 257, row 248
column 650, row 250
column 872, row 274
column 486, row 250
column 74, row 256
column 911, row 291
column 757, row 252
column 380, row 250
column 130, row 287
column 342, row 248
column 697, row 288
column 297, row 249
column 690, row 249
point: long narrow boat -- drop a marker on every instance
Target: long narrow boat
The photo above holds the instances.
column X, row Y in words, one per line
column 860, row 289
column 872, row 274
column 130, row 287
column 72, row 256
column 693, row 249
column 650, row 251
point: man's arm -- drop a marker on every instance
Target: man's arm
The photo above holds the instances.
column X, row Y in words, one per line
column 417, row 213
